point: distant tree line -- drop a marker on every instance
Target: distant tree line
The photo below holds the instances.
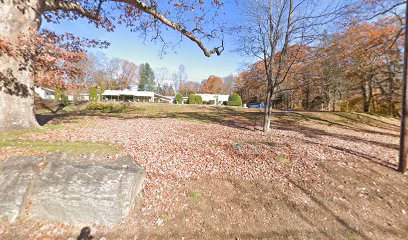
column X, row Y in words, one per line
column 357, row 69
column 97, row 71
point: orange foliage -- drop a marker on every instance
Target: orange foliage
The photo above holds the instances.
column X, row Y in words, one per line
column 50, row 63
column 213, row 84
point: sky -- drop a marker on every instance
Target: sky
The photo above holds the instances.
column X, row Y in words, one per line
column 130, row 46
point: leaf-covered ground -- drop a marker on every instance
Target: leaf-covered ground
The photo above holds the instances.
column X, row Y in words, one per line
column 211, row 173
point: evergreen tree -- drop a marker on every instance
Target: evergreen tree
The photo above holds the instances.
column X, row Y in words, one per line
column 146, row 76
column 179, row 98
column 234, row 100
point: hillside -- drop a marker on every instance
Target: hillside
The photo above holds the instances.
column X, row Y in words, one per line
column 211, row 172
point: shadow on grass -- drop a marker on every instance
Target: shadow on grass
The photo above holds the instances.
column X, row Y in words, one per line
column 43, row 119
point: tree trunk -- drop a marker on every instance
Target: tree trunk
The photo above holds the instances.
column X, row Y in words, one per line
column 267, row 112
column 307, row 102
column 390, row 102
column 366, row 97
column 403, row 151
column 16, row 84
column 367, row 92
column 327, row 100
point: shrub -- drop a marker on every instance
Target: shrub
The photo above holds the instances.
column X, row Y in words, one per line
column 107, row 107
column 234, row 100
column 199, row 99
column 211, row 102
column 93, row 94
column 195, row 99
column 179, row 98
column 191, row 99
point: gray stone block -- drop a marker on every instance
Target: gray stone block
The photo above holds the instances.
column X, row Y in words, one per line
column 17, row 176
column 84, row 189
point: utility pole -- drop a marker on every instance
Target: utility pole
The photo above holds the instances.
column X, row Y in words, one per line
column 403, row 154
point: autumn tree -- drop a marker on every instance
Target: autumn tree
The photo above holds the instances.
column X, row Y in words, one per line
column 268, row 28
column 111, row 73
column 360, row 69
column 398, row 8
column 323, row 78
column 127, row 74
column 21, row 17
column 251, row 85
column 37, row 57
column 213, row 84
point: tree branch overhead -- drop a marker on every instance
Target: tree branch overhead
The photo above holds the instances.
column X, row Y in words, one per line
column 94, row 15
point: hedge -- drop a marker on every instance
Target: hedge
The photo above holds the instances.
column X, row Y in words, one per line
column 195, row 99
column 108, row 107
column 234, row 100
column 179, row 98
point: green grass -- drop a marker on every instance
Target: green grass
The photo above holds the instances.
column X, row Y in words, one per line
column 60, row 146
column 19, row 140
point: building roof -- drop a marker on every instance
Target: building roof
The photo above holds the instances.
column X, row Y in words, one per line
column 128, row 93
column 165, row 97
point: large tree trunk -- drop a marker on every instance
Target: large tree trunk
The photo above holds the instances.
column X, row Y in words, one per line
column 403, row 151
column 16, row 84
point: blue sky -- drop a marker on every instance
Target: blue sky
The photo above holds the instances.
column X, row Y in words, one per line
column 130, row 46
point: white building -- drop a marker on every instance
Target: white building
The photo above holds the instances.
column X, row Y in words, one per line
column 44, row 93
column 218, row 99
column 128, row 96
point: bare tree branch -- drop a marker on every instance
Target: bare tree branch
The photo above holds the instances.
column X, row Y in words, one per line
column 55, row 5
column 152, row 11
column 75, row 6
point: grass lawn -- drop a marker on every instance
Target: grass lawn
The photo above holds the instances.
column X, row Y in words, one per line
column 213, row 174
